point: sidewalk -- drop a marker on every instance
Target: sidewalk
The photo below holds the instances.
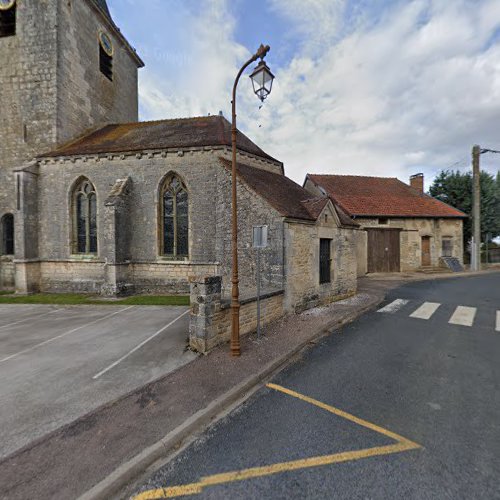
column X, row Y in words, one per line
column 103, row 451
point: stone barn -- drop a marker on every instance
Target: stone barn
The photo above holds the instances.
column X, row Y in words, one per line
column 404, row 228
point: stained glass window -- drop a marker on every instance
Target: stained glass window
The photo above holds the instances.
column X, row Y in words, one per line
column 85, row 218
column 7, row 227
column 175, row 218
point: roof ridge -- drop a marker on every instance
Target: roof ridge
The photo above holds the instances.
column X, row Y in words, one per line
column 163, row 120
column 355, row 175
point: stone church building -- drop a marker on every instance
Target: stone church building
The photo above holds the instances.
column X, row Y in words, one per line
column 91, row 200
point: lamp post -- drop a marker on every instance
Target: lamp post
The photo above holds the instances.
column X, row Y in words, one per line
column 262, row 81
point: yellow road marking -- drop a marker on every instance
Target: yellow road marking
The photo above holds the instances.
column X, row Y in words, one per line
column 402, row 445
column 343, row 414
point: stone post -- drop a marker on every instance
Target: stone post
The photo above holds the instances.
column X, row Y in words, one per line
column 205, row 304
column 27, row 273
column 116, row 240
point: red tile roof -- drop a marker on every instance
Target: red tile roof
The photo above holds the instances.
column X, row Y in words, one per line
column 287, row 197
column 381, row 196
column 165, row 134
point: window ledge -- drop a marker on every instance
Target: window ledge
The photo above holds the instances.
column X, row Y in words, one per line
column 84, row 257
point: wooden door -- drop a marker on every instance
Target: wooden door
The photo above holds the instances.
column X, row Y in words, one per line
column 383, row 251
column 426, row 250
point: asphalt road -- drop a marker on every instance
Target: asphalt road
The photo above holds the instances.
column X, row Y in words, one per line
column 431, row 382
column 59, row 363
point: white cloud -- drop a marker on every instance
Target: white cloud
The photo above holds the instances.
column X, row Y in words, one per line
column 408, row 90
column 393, row 98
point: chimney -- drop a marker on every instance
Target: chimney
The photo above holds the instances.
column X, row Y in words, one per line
column 417, row 182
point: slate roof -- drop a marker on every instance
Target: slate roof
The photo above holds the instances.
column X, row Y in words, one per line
column 381, row 196
column 164, row 134
column 103, row 5
column 287, row 197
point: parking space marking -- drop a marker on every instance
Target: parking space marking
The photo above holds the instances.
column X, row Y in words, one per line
column 29, row 319
column 48, row 341
column 136, row 348
column 463, row 316
column 425, row 311
column 402, row 444
column 394, row 306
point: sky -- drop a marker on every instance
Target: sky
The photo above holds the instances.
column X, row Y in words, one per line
column 366, row 87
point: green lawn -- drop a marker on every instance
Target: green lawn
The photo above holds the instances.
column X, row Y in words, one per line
column 73, row 298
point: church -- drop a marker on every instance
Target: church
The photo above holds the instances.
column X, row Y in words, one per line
column 94, row 201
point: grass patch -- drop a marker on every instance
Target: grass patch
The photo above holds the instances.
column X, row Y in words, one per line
column 77, row 299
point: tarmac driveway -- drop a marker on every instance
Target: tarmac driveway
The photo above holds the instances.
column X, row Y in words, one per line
column 59, row 363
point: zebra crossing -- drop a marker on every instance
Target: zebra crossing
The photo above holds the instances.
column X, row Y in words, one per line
column 462, row 315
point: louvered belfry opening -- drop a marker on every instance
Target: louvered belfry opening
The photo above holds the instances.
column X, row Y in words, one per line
column 106, row 64
column 8, row 22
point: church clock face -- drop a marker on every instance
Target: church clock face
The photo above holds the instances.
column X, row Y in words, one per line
column 7, row 4
column 106, row 43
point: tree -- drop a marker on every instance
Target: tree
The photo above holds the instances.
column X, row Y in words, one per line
column 455, row 189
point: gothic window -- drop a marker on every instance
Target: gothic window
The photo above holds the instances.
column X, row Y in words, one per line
column 174, row 209
column 7, row 230
column 7, row 18
column 106, row 52
column 84, row 218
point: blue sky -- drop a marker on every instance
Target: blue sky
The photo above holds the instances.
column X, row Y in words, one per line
column 368, row 87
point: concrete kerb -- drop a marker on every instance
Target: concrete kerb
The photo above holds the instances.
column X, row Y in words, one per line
column 131, row 470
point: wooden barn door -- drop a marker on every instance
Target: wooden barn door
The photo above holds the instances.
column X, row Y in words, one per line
column 383, row 251
column 426, row 250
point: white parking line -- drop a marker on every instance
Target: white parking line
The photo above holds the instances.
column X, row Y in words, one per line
column 393, row 306
column 112, row 365
column 425, row 311
column 498, row 322
column 29, row 319
column 12, row 356
column 463, row 316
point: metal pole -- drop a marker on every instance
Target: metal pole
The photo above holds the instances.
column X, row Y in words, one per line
column 258, row 292
column 235, row 292
column 476, row 208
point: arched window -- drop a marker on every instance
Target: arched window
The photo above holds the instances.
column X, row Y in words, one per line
column 7, row 228
column 7, row 18
column 84, row 218
column 175, row 222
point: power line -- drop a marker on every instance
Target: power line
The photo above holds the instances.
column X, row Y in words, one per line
column 484, row 150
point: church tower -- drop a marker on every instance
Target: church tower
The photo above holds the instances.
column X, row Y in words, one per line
column 65, row 68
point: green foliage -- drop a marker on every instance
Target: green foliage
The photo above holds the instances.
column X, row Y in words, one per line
column 455, row 188
column 75, row 299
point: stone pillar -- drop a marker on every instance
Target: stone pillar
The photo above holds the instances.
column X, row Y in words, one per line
column 27, row 273
column 205, row 304
column 116, row 240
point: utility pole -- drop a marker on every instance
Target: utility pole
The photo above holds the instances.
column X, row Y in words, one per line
column 476, row 210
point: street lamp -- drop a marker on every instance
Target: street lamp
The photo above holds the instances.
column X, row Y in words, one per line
column 262, row 81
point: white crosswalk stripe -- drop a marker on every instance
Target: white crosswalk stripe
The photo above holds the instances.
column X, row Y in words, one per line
column 425, row 311
column 393, row 306
column 463, row 316
column 498, row 322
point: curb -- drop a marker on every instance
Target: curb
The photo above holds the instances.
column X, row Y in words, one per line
column 130, row 470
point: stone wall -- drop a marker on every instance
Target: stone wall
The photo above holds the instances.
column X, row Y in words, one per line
column 85, row 97
column 51, row 85
column 210, row 322
column 303, row 289
column 413, row 229
column 7, row 273
column 129, row 224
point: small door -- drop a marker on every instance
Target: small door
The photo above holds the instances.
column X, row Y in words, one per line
column 324, row 261
column 426, row 250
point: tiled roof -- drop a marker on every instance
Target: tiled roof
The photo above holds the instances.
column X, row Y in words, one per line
column 381, row 196
column 164, row 134
column 287, row 197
